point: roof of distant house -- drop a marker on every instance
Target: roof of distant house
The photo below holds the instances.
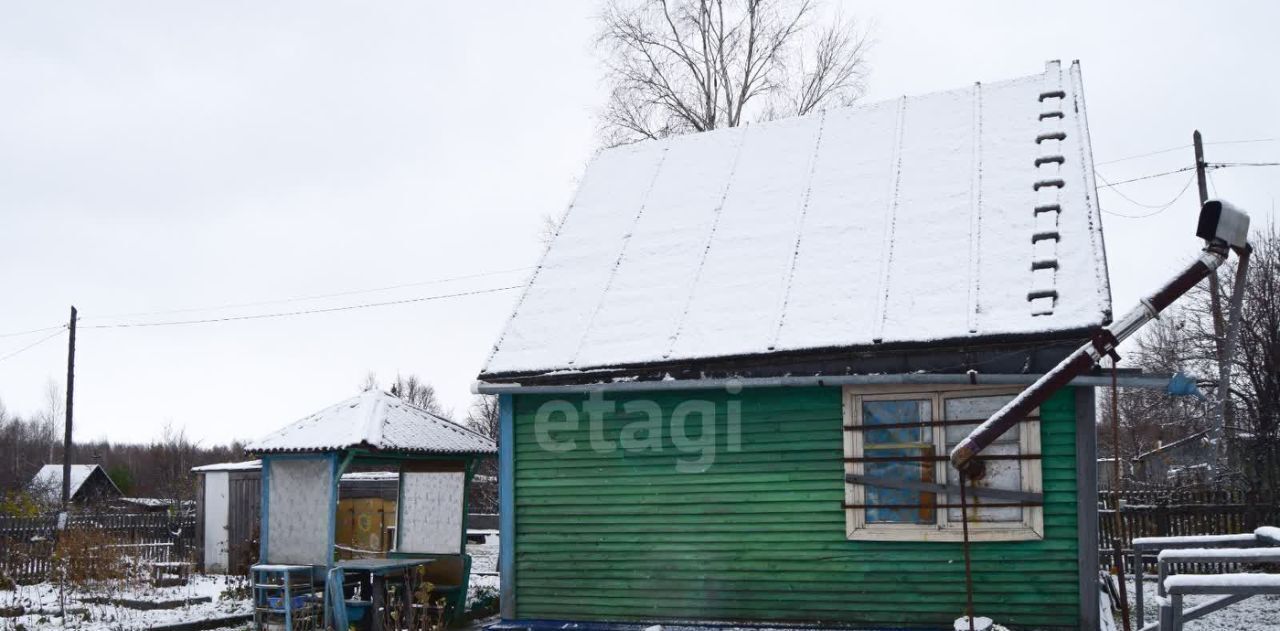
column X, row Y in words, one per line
column 1203, row 434
column 49, row 479
column 961, row 216
column 241, row 465
column 377, row 421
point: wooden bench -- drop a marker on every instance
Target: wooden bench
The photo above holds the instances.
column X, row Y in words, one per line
column 1232, row 587
column 170, row 573
column 1151, row 546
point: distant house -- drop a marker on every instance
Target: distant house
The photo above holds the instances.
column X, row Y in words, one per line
column 1186, row 460
column 728, row 391
column 89, row 484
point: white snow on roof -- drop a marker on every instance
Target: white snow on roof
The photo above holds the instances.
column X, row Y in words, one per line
column 375, row 420
column 243, row 465
column 150, row 502
column 370, row 476
column 49, row 478
column 955, row 215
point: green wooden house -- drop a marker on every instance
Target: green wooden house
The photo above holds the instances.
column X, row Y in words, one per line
column 728, row 392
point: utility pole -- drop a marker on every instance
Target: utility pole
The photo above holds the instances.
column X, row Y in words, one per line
column 66, row 439
column 1215, row 301
column 1222, row 345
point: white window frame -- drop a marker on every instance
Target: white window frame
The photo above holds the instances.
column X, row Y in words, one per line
column 856, row 527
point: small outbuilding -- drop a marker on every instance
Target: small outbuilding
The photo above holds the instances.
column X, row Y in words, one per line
column 90, row 484
column 302, row 464
column 728, row 393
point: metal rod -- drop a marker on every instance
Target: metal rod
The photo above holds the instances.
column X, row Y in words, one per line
column 921, row 424
column 988, row 505
column 1119, row 536
column 1133, row 381
column 941, row 458
column 968, row 570
column 1228, row 350
column 928, row 487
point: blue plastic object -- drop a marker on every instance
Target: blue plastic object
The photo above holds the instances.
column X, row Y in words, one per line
column 1181, row 385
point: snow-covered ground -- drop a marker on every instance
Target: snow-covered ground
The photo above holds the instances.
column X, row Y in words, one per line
column 41, row 601
column 1259, row 613
column 484, row 568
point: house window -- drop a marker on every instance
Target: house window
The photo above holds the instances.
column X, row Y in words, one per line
column 902, row 487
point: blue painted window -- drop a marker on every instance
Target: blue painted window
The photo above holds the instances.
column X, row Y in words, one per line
column 915, row 445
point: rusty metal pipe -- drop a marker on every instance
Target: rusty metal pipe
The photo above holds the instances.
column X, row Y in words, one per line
column 1083, row 359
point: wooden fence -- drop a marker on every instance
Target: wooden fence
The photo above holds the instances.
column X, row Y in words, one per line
column 27, row 543
column 1178, row 512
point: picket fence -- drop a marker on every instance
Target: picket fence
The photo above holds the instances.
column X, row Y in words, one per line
column 27, row 543
column 1178, row 512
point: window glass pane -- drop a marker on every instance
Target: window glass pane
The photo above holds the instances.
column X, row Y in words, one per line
column 896, row 413
column 1000, row 474
column 902, row 506
column 978, row 409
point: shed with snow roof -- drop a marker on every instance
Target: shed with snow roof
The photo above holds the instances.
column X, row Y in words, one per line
column 729, row 389
column 90, row 484
column 302, row 464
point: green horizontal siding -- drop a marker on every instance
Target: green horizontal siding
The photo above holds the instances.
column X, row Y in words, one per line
column 760, row 534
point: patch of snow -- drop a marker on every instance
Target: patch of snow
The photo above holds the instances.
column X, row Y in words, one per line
column 42, row 602
column 242, row 465
column 1194, row 539
column 980, row 623
column 1244, row 579
column 1192, row 555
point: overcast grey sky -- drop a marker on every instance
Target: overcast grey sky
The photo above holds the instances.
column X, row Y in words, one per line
column 171, row 155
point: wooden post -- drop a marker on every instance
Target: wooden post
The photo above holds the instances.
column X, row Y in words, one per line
column 1215, row 302
column 71, row 387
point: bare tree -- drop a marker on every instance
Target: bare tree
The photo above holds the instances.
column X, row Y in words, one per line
column 681, row 66
column 370, row 382
column 482, row 418
column 418, row 392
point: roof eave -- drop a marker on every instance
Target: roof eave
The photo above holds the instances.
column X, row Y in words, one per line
column 1031, row 350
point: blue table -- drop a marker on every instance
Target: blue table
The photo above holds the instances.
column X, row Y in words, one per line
column 376, row 573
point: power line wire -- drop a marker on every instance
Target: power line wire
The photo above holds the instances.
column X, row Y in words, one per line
column 310, row 297
column 1148, row 177
column 34, row 344
column 1179, row 147
column 286, row 314
column 1225, row 165
column 39, row 330
column 1138, row 203
column 1157, row 209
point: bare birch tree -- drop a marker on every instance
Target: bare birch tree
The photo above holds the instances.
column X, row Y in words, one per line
column 681, row 66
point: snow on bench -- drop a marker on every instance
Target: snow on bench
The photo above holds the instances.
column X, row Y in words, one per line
column 1223, row 583
column 1208, row 540
column 1220, row 555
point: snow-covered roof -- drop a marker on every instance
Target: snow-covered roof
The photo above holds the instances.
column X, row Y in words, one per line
column 149, row 502
column 49, row 478
column 963, row 215
column 243, row 465
column 1203, row 434
column 374, row 420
